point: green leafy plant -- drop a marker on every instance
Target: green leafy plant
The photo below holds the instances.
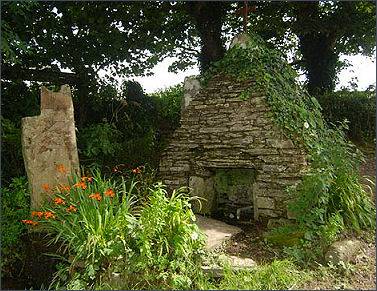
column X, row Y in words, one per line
column 121, row 128
column 10, row 40
column 303, row 254
column 11, row 152
column 169, row 245
column 15, row 204
column 100, row 139
column 90, row 218
column 168, row 105
column 142, row 149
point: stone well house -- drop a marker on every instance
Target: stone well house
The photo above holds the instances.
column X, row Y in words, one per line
column 231, row 152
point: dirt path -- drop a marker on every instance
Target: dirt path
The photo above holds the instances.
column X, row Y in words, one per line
column 368, row 171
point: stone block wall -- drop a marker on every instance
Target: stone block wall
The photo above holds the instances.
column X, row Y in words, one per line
column 221, row 131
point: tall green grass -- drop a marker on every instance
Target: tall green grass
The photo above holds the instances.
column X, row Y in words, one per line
column 278, row 275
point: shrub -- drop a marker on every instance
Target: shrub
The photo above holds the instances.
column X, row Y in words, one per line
column 121, row 128
column 99, row 144
column 142, row 149
column 15, row 205
column 104, row 234
column 330, row 197
column 357, row 107
column 17, row 101
column 12, row 164
column 117, row 126
column 169, row 104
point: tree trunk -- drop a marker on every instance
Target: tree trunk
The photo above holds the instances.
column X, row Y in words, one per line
column 208, row 18
column 320, row 62
column 317, row 48
column 86, row 87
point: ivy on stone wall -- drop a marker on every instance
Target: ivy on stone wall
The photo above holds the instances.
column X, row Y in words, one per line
column 330, row 195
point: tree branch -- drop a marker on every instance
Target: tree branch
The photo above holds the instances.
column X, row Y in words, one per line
column 41, row 75
column 297, row 62
column 192, row 50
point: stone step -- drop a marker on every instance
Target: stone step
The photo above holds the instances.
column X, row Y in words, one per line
column 234, row 262
column 217, row 232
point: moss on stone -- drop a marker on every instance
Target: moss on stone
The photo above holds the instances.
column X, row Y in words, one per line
column 285, row 239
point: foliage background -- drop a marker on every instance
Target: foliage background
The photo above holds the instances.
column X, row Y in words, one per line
column 122, row 127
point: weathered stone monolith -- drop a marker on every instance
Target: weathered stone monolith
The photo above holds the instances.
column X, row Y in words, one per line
column 49, row 144
column 191, row 88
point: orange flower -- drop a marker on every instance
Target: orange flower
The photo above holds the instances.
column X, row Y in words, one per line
column 64, row 188
column 71, row 208
column 46, row 187
column 30, row 222
column 49, row 214
column 110, row 193
column 96, row 196
column 89, row 179
column 82, row 185
column 61, row 169
column 136, row 170
column 59, row 201
column 39, row 214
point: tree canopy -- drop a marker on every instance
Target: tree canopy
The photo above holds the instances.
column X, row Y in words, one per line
column 86, row 37
column 70, row 42
column 316, row 33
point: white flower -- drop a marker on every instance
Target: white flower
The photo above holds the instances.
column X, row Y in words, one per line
column 194, row 236
column 306, row 125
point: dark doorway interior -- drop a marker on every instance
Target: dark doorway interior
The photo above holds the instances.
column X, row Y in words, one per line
column 234, row 194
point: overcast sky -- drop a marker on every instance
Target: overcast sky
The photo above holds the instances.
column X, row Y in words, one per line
column 362, row 67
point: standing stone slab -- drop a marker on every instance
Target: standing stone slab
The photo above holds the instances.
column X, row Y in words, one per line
column 49, row 144
column 191, row 88
column 203, row 188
